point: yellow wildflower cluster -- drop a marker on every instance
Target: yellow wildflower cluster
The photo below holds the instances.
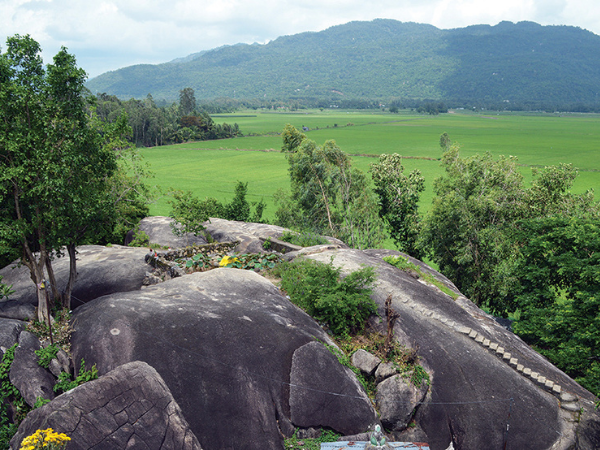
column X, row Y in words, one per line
column 45, row 439
column 227, row 260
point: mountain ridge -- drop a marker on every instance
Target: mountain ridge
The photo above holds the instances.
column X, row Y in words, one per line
column 384, row 58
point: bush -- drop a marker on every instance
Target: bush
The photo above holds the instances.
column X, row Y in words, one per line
column 343, row 305
column 303, row 239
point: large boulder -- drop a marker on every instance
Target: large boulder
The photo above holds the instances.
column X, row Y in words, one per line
column 485, row 379
column 251, row 236
column 159, row 230
column 129, row 407
column 227, row 343
column 100, row 271
column 316, row 369
column 397, row 398
column 32, row 380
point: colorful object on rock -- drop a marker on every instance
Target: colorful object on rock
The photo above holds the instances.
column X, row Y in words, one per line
column 45, row 439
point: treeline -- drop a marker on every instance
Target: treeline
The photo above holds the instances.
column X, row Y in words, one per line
column 154, row 125
column 391, row 104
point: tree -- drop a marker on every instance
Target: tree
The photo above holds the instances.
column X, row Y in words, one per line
column 53, row 168
column 399, row 201
column 327, row 194
column 476, row 206
column 559, row 293
column 187, row 101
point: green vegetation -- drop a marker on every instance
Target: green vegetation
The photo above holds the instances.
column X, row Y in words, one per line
column 342, row 305
column 47, row 354
column 303, row 239
column 5, row 290
column 65, row 383
column 536, row 140
column 189, row 212
column 51, row 197
column 478, row 202
column 152, row 125
column 558, row 295
column 10, row 399
column 399, row 201
column 404, row 264
column 65, row 178
column 327, row 195
column 295, row 443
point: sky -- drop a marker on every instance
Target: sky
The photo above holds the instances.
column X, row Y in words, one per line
column 105, row 35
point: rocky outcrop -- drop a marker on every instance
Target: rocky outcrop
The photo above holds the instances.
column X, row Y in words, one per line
column 397, row 398
column 230, row 347
column 100, row 271
column 316, row 369
column 159, row 231
column 129, row 407
column 474, row 387
column 32, row 380
column 247, row 367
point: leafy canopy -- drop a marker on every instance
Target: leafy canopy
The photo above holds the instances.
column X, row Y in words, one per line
column 53, row 168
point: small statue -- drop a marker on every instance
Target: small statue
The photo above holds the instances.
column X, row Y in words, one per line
column 378, row 440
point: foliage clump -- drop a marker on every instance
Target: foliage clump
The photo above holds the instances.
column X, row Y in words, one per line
column 399, row 201
column 403, row 263
column 342, row 304
column 303, row 238
column 296, row 443
column 327, row 195
column 13, row 408
column 189, row 212
column 65, row 383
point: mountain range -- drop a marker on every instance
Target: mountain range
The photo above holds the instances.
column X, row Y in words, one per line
column 385, row 59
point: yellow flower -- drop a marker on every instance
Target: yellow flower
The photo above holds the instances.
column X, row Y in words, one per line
column 227, row 260
column 45, row 439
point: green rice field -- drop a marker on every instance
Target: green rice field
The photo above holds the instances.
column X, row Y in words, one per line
column 212, row 168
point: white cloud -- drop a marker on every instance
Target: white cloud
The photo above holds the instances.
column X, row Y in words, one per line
column 109, row 34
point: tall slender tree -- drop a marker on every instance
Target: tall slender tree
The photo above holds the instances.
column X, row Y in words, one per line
column 53, row 168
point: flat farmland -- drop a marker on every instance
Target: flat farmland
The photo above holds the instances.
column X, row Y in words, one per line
column 212, row 168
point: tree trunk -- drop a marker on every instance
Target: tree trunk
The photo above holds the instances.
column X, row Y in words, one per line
column 72, row 277
column 52, row 282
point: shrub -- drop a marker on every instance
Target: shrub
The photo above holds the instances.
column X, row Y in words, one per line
column 303, row 239
column 65, row 383
column 343, row 305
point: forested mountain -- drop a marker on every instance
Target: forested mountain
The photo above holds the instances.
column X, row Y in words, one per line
column 507, row 63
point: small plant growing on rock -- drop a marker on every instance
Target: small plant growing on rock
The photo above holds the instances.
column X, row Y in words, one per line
column 404, row 264
column 45, row 355
column 5, row 290
column 267, row 244
column 296, row 443
column 250, row 261
column 65, row 383
column 140, row 238
column 9, row 395
column 303, row 239
column 198, row 262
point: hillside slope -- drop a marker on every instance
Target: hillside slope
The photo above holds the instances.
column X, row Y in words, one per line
column 385, row 59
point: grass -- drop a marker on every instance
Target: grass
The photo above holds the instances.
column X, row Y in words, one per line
column 211, row 168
